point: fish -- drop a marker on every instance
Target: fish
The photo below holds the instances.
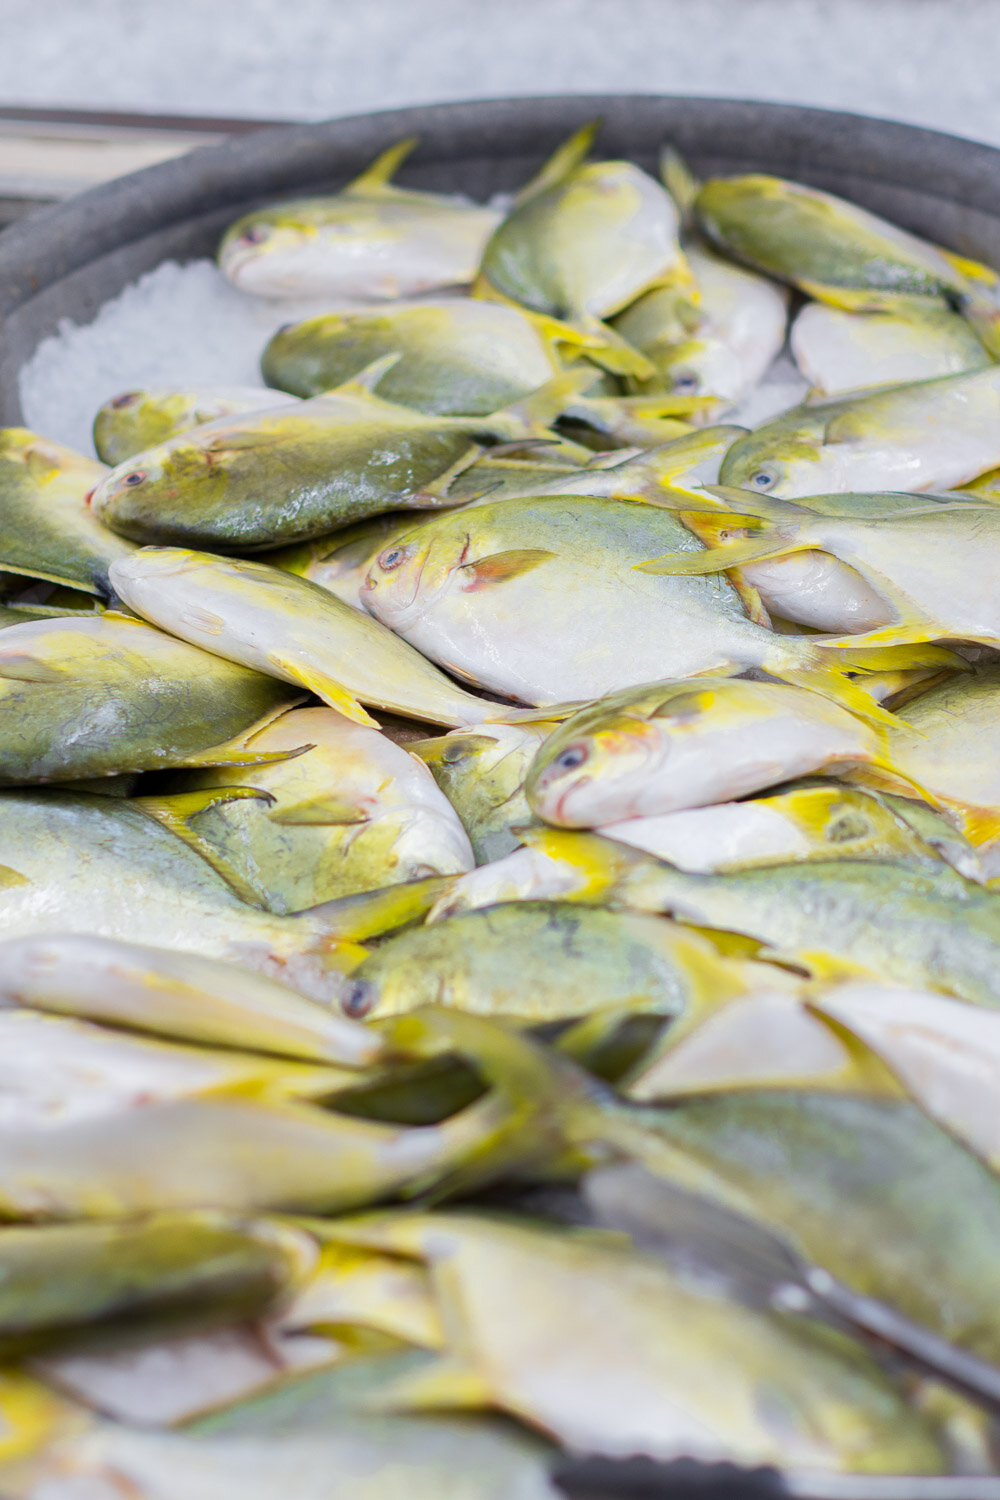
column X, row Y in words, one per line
column 46, row 531
column 278, row 623
column 539, row 961
column 96, row 695
column 609, row 1351
column 911, row 923
column 946, row 742
column 481, row 771
column 238, row 1155
column 673, row 745
column 839, row 351
column 809, row 821
column 264, row 479
column 868, row 1189
column 840, row 253
column 583, row 240
column 175, row 994
column 945, row 1052
column 76, row 863
column 806, row 823
column 355, row 812
column 136, row 420
column 60, row 1070
column 929, row 436
column 547, row 599
column 370, row 240
column 930, row 558
column 458, row 356
column 207, row 1267
column 311, row 1434
column 720, row 348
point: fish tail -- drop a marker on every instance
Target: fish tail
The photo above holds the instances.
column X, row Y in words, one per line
column 805, row 662
column 533, row 415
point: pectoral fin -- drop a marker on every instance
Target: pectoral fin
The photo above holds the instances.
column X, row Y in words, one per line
column 500, row 566
column 10, row 878
column 319, row 810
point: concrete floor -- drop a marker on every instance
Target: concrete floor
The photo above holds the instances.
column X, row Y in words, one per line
column 930, row 62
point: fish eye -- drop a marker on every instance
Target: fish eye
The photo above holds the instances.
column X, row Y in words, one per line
column 572, row 756
column 137, row 476
column 358, row 999
column 391, row 558
column 254, row 234
column 129, row 399
column 686, row 382
column 764, row 479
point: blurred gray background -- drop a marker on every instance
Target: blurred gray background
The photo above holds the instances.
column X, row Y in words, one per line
column 932, row 62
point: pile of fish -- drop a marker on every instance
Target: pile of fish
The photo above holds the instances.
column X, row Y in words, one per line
column 500, row 865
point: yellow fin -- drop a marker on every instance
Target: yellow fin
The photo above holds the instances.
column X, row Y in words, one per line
column 366, row 380
column 720, row 559
column 679, row 181
column 329, row 689
column 979, row 824
column 564, row 159
column 445, row 1384
column 175, row 812
column 323, row 810
column 10, row 878
column 354, row 919
column 379, row 174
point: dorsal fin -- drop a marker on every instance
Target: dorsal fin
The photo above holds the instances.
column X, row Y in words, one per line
column 378, row 176
column 564, row 159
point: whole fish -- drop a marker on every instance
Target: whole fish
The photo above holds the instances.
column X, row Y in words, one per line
column 545, row 599
column 369, row 240
column 952, row 751
column 672, row 745
column 182, row 996
column 458, row 356
column 226, row 1153
column 95, row 695
column 305, row 1437
column 294, row 471
column 931, row 435
column 811, row 821
column 720, row 348
column 137, row 420
column 608, row 1350
column 355, row 812
column 78, row 863
column 57, row 1070
column 932, row 559
column 808, row 823
column 583, row 240
column 840, row 253
column 539, row 961
column 907, row 923
column 292, row 629
column 58, row 1278
column 46, row 529
column 481, row 771
column 868, row 1189
column 839, row 351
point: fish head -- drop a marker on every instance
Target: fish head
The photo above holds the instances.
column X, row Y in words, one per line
column 135, row 421
column 274, row 251
column 413, row 573
column 703, row 367
column 780, row 459
column 591, row 770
